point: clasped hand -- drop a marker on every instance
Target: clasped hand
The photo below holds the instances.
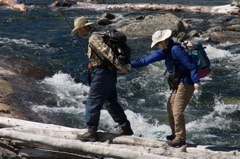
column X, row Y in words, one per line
column 125, row 68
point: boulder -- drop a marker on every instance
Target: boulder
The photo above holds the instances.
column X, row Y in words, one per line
column 151, row 23
column 5, row 88
column 223, row 36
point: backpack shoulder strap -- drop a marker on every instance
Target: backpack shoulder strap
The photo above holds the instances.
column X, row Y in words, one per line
column 169, row 55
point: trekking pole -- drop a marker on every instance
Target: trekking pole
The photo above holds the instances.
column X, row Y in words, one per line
column 67, row 21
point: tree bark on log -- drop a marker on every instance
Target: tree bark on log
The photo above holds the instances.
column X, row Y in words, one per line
column 76, row 146
column 39, row 138
column 224, row 9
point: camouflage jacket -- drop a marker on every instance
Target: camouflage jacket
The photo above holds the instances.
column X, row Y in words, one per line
column 104, row 52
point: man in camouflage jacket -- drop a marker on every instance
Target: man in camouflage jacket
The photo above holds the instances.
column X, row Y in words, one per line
column 103, row 84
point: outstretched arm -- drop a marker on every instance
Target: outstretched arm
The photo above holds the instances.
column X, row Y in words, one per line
column 153, row 57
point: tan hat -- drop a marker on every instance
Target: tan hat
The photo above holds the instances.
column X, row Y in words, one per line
column 79, row 23
column 159, row 36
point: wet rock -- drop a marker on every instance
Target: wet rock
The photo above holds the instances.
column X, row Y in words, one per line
column 234, row 21
column 140, row 17
column 194, row 33
column 95, row 1
column 11, row 112
column 235, row 3
column 222, row 20
column 195, row 22
column 4, row 72
column 104, row 21
column 152, row 23
column 230, row 100
column 121, row 23
column 108, row 16
column 7, row 151
column 5, row 88
column 217, row 28
column 24, row 67
column 224, row 36
column 5, row 111
column 234, row 28
column 61, row 4
column 182, row 36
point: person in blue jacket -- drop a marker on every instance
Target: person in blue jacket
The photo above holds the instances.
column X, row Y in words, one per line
column 183, row 79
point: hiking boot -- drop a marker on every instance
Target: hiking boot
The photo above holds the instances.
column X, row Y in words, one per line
column 176, row 143
column 170, row 137
column 89, row 135
column 126, row 130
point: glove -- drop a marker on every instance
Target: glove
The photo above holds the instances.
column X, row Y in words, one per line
column 198, row 86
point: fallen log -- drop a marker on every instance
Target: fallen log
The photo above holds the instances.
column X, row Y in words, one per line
column 76, row 146
column 36, row 139
column 224, row 9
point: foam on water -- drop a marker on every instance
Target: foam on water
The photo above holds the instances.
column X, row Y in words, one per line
column 140, row 125
column 47, row 109
column 70, row 95
column 74, row 94
column 215, row 53
column 216, row 119
column 26, row 43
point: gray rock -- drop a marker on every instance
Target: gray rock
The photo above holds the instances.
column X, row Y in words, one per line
column 234, row 21
column 217, row 28
column 104, row 21
column 108, row 16
column 194, row 33
column 234, row 28
column 95, row 1
column 152, row 23
column 236, row 3
column 223, row 36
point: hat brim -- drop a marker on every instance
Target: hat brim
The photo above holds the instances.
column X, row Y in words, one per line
column 166, row 36
column 154, row 43
column 78, row 27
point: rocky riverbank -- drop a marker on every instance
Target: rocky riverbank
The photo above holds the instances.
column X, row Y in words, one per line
column 6, row 90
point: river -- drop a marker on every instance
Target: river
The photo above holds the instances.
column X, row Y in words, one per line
column 41, row 38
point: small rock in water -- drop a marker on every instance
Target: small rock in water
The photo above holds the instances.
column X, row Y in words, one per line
column 96, row 1
column 236, row 3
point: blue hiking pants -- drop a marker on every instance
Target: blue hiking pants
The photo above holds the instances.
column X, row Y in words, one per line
column 103, row 91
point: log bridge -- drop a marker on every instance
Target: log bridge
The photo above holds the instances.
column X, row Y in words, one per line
column 39, row 140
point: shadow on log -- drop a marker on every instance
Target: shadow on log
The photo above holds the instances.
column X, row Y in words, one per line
column 38, row 140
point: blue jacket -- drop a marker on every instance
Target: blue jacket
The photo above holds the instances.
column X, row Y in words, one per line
column 182, row 60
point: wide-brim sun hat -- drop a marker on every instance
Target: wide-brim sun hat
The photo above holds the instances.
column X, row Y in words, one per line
column 160, row 35
column 79, row 23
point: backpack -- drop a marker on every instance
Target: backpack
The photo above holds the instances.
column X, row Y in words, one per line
column 116, row 40
column 199, row 56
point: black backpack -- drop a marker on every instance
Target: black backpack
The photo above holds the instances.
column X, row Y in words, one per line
column 117, row 41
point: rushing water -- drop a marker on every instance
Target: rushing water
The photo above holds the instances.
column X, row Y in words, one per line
column 41, row 38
